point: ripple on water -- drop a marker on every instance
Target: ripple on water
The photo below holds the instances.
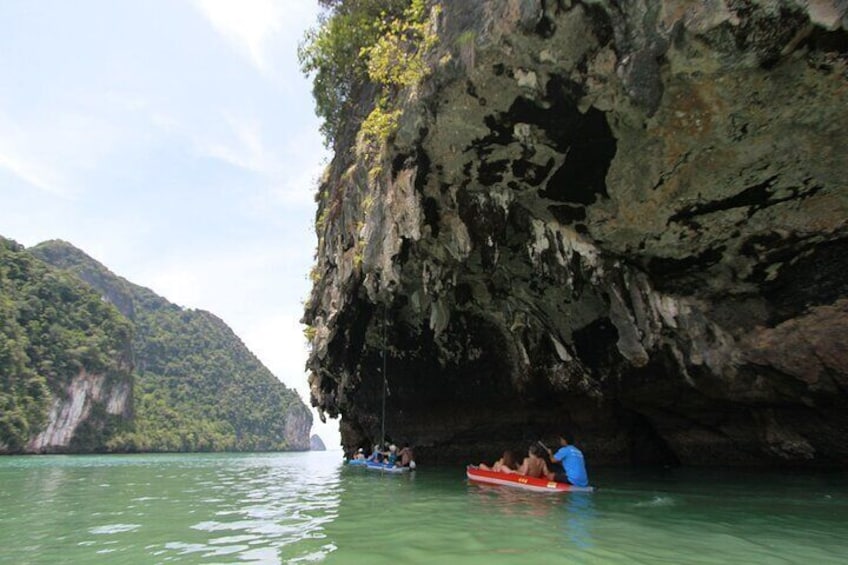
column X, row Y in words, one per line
column 657, row 502
column 303, row 508
column 114, row 529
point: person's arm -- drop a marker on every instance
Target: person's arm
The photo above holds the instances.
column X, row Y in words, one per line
column 522, row 470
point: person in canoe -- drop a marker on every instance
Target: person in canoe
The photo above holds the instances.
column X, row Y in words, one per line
column 406, row 456
column 505, row 464
column 376, row 455
column 392, row 456
column 572, row 462
column 534, row 464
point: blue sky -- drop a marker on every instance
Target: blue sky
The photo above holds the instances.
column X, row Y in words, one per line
column 174, row 141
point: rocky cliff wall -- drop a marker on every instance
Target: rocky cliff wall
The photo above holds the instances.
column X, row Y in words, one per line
column 90, row 403
column 298, row 425
column 623, row 219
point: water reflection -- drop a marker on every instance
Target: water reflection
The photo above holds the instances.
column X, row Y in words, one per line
column 579, row 517
column 570, row 514
column 270, row 508
column 267, row 506
column 290, row 508
column 512, row 502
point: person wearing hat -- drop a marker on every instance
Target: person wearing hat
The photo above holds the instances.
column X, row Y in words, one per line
column 393, row 454
column 360, row 454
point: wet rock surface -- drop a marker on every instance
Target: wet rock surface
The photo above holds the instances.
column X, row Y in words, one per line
column 625, row 222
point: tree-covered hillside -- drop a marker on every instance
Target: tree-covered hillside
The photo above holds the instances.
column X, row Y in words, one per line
column 197, row 387
column 52, row 327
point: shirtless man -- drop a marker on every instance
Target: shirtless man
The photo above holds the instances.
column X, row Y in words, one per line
column 406, row 455
column 534, row 464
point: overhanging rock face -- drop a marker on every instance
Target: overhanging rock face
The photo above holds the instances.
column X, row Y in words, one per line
column 626, row 222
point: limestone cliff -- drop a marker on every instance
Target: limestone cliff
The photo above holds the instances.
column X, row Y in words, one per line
column 66, row 382
column 197, row 386
column 88, row 404
column 627, row 219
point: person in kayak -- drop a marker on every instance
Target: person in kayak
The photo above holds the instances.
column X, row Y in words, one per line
column 391, row 458
column 376, row 455
column 572, row 462
column 406, row 456
column 505, row 464
column 533, row 465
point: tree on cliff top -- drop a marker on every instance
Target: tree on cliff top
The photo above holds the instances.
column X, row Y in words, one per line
column 337, row 53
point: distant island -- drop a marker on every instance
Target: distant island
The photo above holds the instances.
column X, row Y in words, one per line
column 90, row 362
column 316, row 444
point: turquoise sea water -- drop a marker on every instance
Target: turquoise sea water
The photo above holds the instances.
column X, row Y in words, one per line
column 308, row 507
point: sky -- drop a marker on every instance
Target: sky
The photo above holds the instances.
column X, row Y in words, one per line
column 174, row 141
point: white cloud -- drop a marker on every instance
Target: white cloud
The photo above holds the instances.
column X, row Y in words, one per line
column 31, row 173
column 235, row 140
column 290, row 172
column 244, row 148
column 19, row 156
column 56, row 151
column 247, row 24
column 291, row 188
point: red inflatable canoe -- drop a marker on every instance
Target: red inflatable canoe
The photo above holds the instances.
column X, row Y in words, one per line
column 479, row 475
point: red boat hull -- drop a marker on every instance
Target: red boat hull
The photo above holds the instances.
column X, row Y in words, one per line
column 476, row 474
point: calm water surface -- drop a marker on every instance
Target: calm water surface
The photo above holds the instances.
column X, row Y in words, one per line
column 307, row 507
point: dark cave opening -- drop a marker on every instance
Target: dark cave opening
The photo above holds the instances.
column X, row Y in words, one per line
column 566, row 214
column 683, row 275
column 813, row 276
column 426, row 379
column 596, row 343
column 835, row 42
column 645, row 446
column 581, row 178
column 431, row 215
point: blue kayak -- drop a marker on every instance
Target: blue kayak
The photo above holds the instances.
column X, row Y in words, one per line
column 357, row 462
column 385, row 467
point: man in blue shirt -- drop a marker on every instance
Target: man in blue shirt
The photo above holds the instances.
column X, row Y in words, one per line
column 571, row 459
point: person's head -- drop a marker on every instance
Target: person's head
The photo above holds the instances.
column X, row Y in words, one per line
column 509, row 459
column 392, row 448
column 536, row 451
column 565, row 438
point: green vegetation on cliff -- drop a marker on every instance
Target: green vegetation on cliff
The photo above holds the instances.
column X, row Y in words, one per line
column 200, row 389
column 197, row 387
column 52, row 326
column 358, row 43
